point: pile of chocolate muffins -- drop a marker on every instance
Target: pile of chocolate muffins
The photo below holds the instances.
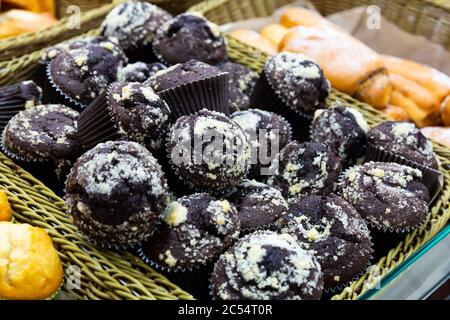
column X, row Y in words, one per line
column 247, row 184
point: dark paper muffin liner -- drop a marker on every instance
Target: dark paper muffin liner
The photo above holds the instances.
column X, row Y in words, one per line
column 96, row 123
column 372, row 225
column 210, row 93
column 11, row 103
column 56, row 95
column 194, row 279
column 356, row 277
column 431, row 178
column 264, row 97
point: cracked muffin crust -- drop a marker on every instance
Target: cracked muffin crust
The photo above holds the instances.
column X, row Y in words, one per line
column 265, row 265
column 190, row 36
column 334, row 231
column 115, row 193
column 194, row 230
column 387, row 195
column 305, row 168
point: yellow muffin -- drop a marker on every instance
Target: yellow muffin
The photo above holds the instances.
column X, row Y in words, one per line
column 29, row 264
column 5, row 209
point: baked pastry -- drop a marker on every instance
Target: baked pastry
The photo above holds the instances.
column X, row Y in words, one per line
column 333, row 229
column 6, row 213
column 305, row 168
column 348, row 64
column 421, row 98
column 254, row 39
column 189, row 36
column 115, row 193
column 192, row 86
column 387, row 195
column 216, row 169
column 445, row 111
column 298, row 16
column 139, row 114
column 267, row 133
column 46, row 134
column 30, row 268
column 194, row 230
column 396, row 113
column 79, row 75
column 405, row 140
column 134, row 24
column 436, row 82
column 15, row 22
column 258, row 205
column 343, row 130
column 439, row 134
column 241, row 81
column 265, row 265
column 274, row 32
column 291, row 85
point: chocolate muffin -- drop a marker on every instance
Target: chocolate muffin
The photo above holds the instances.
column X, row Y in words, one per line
column 343, row 130
column 267, row 133
column 139, row 114
column 403, row 139
column 194, row 231
column 389, row 196
column 305, row 168
column 138, row 71
column 189, row 36
column 297, row 81
column 181, row 74
column 134, row 23
column 331, row 228
column 45, row 133
column 81, row 74
column 241, row 81
column 208, row 150
column 78, row 43
column 265, row 265
column 258, row 204
column 115, row 193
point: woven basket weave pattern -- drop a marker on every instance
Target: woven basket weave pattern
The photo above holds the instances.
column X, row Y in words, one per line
column 103, row 274
column 225, row 11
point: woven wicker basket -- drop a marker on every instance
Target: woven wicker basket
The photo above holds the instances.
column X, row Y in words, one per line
column 111, row 276
column 92, row 14
column 225, row 11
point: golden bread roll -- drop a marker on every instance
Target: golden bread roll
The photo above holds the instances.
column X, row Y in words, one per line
column 351, row 66
column 15, row 22
column 30, row 267
column 429, row 78
column 274, row 32
column 6, row 213
column 298, row 16
column 254, row 39
column 417, row 114
column 439, row 134
column 30, row 5
column 421, row 96
column 445, row 111
column 396, row 113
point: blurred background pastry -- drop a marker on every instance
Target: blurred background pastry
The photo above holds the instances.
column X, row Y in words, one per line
column 439, row 134
column 254, row 39
column 30, row 267
column 21, row 16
